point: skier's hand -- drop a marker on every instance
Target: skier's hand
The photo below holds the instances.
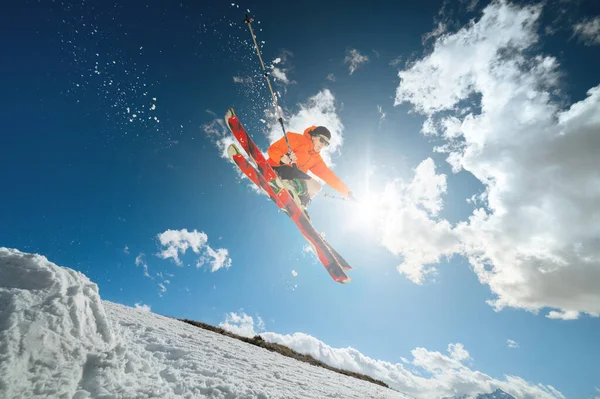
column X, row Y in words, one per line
column 289, row 158
column 293, row 157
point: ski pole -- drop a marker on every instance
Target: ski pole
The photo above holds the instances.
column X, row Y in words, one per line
column 326, row 195
column 249, row 21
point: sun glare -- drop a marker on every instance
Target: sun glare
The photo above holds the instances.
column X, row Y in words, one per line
column 366, row 212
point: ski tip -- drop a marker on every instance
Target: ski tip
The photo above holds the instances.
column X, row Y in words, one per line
column 229, row 114
column 346, row 281
column 232, row 150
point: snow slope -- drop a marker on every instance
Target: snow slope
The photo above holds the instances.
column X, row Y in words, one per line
column 59, row 339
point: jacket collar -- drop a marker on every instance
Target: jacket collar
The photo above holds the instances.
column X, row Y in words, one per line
column 307, row 135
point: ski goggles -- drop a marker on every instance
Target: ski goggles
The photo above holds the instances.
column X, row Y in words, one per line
column 323, row 140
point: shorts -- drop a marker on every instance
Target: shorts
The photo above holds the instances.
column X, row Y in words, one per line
column 298, row 178
column 290, row 173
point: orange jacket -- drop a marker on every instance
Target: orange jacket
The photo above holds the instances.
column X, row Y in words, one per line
column 307, row 158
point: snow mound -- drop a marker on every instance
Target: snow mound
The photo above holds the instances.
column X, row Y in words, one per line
column 58, row 339
column 52, row 324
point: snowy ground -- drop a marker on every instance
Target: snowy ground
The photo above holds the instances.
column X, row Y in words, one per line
column 59, row 339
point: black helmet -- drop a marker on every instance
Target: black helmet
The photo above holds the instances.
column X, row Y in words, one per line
column 321, row 130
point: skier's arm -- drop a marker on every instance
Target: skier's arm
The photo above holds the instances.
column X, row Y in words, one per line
column 277, row 150
column 321, row 170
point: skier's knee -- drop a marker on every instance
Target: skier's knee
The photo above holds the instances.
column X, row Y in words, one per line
column 313, row 187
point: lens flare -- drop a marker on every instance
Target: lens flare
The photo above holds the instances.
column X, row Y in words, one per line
column 367, row 213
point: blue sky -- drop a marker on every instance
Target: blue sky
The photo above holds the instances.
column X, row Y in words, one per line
column 112, row 139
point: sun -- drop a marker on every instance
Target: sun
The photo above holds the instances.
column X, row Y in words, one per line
column 366, row 212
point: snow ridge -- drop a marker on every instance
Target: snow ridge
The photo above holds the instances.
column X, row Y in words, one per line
column 52, row 325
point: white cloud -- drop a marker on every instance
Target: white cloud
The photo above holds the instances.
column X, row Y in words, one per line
column 458, row 352
column 219, row 133
column 331, row 77
column 405, row 214
column 242, row 324
column 381, row 114
column 437, row 32
column 511, row 343
column 588, row 30
column 143, row 307
column 179, row 241
column 563, row 315
column 241, row 79
column 448, row 375
column 355, row 59
column 126, row 249
column 280, row 75
column 217, row 259
column 139, row 261
column 396, row 61
column 535, row 240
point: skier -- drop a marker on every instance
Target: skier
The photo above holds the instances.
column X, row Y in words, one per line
column 305, row 155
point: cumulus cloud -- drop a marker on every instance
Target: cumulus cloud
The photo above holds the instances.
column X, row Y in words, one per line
column 458, row 352
column 437, row 32
column 177, row 242
column 563, row 315
column 143, row 307
column 242, row 324
column 488, row 99
column 216, row 259
column 331, row 77
column 448, row 375
column 588, row 31
column 355, row 60
column 406, row 212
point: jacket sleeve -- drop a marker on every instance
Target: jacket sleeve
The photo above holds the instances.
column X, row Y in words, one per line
column 277, row 150
column 321, row 170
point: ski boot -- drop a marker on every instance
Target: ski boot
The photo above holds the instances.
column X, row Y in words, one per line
column 299, row 192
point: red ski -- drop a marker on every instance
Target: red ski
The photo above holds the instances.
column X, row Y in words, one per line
column 265, row 177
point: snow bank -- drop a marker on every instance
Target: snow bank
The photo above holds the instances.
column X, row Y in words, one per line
column 59, row 339
column 52, row 326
